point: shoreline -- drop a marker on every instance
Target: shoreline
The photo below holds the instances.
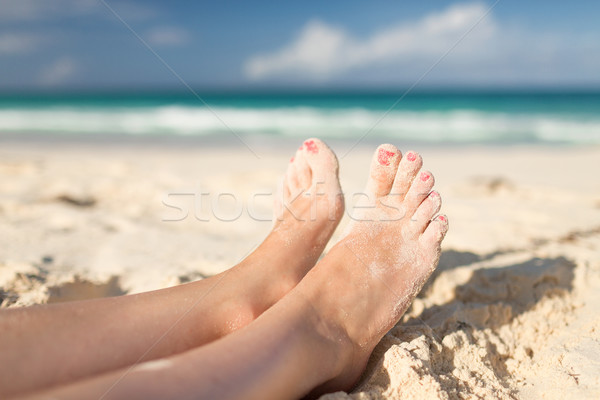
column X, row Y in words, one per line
column 267, row 141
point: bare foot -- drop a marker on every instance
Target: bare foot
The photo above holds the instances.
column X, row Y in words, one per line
column 321, row 334
column 367, row 281
column 310, row 201
column 308, row 209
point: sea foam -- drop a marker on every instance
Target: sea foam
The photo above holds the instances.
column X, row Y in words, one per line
column 458, row 125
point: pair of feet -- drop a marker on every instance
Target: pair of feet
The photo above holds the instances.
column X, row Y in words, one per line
column 361, row 288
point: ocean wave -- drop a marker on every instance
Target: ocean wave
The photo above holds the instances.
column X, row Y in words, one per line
column 428, row 126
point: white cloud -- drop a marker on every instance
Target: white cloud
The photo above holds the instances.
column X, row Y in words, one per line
column 58, row 72
column 323, row 50
column 406, row 50
column 167, row 36
column 17, row 43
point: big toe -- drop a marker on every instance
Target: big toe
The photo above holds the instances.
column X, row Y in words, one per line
column 322, row 162
column 302, row 170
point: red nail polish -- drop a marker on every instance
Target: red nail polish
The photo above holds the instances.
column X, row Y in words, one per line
column 311, row 146
column 292, row 159
column 411, row 156
column 434, row 194
column 384, row 156
column 425, row 176
column 442, row 218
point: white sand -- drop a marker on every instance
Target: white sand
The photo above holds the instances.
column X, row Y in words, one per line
column 512, row 311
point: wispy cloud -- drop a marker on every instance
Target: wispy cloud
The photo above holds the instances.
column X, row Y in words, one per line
column 36, row 10
column 167, row 36
column 491, row 52
column 32, row 10
column 18, row 43
column 58, row 72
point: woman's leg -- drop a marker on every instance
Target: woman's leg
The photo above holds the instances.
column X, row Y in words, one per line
column 52, row 344
column 319, row 337
column 272, row 358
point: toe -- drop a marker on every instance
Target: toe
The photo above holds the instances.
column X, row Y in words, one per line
column 291, row 179
column 383, row 169
column 435, row 232
column 303, row 171
column 322, row 161
column 418, row 191
column 425, row 212
column 409, row 166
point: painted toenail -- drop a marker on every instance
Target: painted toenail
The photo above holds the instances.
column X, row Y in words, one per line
column 311, row 146
column 434, row 194
column 292, row 159
column 425, row 176
column 384, row 156
column 411, row 156
column 442, row 218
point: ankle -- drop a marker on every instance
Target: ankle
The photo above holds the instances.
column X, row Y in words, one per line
column 325, row 321
column 289, row 257
column 330, row 347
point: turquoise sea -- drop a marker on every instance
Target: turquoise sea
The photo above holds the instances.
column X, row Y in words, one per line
column 435, row 117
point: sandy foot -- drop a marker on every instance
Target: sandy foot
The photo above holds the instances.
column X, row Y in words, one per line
column 367, row 281
column 307, row 211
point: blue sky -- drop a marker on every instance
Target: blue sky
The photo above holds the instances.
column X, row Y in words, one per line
column 80, row 44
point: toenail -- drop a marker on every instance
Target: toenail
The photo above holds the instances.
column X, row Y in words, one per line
column 411, row 156
column 311, row 146
column 442, row 218
column 292, row 159
column 434, row 194
column 384, row 156
column 425, row 176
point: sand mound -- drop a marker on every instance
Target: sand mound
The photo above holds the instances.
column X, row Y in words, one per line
column 483, row 330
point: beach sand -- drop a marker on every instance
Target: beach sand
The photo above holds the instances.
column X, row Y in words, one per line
column 511, row 312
